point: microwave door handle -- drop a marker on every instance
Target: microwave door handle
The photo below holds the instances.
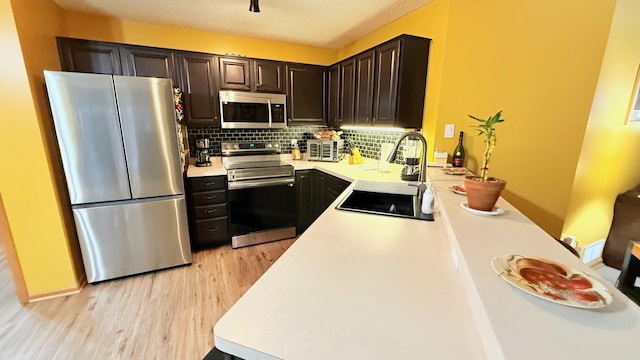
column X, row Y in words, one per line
column 269, row 111
column 221, row 112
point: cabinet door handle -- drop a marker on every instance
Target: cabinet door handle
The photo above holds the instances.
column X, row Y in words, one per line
column 209, row 197
column 212, row 229
column 211, row 211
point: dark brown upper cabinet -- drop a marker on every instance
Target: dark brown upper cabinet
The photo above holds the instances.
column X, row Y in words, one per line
column 251, row 75
column 386, row 91
column 150, row 62
column 268, row 76
column 347, row 91
column 235, row 73
column 333, row 96
column 117, row 59
column 382, row 86
column 89, row 56
column 198, row 87
column 364, row 88
column 400, row 82
column 306, row 89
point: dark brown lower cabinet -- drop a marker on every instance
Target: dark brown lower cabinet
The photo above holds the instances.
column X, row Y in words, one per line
column 333, row 188
column 315, row 191
column 207, row 202
column 305, row 199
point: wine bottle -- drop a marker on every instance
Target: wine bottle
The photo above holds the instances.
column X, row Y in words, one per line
column 458, row 153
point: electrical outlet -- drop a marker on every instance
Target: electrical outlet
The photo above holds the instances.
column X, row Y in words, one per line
column 449, row 129
column 593, row 251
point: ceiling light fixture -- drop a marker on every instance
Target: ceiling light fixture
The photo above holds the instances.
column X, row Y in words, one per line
column 253, row 6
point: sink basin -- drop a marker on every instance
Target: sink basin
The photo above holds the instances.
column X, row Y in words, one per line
column 379, row 202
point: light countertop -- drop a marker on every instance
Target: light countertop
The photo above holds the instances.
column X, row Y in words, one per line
column 216, row 168
column 342, row 169
column 359, row 286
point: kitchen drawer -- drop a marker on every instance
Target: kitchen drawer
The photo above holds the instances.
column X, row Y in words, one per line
column 208, row 183
column 211, row 211
column 211, row 231
column 209, row 198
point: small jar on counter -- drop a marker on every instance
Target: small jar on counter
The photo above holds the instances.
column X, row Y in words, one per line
column 295, row 152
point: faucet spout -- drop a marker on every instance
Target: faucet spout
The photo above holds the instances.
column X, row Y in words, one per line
column 423, row 158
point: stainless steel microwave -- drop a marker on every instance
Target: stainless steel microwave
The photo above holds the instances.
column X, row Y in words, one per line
column 248, row 110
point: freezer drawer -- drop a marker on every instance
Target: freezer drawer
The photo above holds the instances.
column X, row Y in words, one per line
column 120, row 239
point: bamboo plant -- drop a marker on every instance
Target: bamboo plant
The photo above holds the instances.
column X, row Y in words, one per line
column 486, row 128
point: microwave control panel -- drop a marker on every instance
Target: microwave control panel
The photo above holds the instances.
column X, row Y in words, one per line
column 277, row 112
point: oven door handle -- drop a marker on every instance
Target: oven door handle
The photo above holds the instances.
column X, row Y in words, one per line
column 246, row 184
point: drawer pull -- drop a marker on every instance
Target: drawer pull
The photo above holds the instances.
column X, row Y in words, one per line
column 211, row 211
column 212, row 229
column 209, row 197
column 210, row 183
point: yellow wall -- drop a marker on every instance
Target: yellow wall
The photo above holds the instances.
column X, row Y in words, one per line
column 610, row 156
column 102, row 28
column 27, row 182
column 522, row 58
column 538, row 61
column 429, row 21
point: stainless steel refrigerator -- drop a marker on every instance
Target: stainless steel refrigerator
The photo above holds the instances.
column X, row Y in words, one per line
column 121, row 160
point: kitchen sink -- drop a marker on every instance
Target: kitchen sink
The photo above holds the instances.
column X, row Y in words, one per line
column 378, row 200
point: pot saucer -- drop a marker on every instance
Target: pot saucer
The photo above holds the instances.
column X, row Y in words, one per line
column 496, row 210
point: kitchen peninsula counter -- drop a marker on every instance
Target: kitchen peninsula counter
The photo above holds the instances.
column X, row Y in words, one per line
column 359, row 286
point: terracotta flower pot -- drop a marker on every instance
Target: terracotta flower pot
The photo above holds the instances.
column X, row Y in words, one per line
column 483, row 195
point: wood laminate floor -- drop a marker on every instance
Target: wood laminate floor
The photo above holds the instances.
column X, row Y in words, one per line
column 167, row 314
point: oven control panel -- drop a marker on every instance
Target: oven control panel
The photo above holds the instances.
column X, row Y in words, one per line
column 238, row 148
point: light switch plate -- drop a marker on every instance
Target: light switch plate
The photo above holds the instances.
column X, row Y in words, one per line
column 449, row 129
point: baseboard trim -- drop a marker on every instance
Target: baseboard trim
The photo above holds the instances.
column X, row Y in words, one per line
column 58, row 293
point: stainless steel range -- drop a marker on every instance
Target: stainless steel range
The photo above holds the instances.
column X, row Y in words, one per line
column 261, row 193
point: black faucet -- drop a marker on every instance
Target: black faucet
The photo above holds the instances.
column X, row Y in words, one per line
column 413, row 135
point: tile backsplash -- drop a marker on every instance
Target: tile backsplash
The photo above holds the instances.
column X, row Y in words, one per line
column 368, row 141
column 283, row 136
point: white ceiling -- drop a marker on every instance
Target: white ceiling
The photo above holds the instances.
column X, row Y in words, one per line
column 324, row 23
